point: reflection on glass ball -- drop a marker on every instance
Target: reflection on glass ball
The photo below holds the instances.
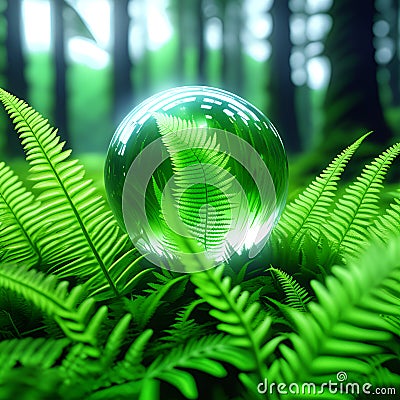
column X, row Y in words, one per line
column 196, row 176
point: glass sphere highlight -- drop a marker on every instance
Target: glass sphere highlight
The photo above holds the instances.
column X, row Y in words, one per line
column 196, row 176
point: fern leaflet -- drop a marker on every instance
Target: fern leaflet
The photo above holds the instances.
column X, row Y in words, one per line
column 296, row 296
column 203, row 355
column 388, row 224
column 20, row 221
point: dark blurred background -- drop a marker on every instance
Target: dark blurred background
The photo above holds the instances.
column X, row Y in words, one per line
column 324, row 71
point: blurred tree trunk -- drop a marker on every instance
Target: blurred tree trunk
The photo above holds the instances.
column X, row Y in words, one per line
column 393, row 66
column 15, row 66
column 222, row 4
column 58, row 51
column 282, row 105
column 122, row 88
column 234, row 24
column 182, row 42
column 230, row 13
column 143, row 65
column 201, row 45
column 352, row 105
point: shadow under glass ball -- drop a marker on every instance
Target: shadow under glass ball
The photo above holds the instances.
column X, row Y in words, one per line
column 197, row 176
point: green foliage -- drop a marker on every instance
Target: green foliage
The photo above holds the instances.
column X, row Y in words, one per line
column 237, row 315
column 52, row 297
column 102, row 325
column 308, row 210
column 79, row 233
column 29, row 352
column 144, row 307
column 359, row 205
column 389, row 223
column 19, row 223
column 296, row 297
column 194, row 155
column 321, row 230
column 344, row 327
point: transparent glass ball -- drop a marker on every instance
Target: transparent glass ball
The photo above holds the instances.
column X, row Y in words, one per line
column 196, row 176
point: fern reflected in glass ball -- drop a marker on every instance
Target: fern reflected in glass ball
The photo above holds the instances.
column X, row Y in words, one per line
column 196, row 176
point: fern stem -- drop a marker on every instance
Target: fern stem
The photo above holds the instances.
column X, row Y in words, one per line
column 12, row 323
column 40, row 328
column 190, row 308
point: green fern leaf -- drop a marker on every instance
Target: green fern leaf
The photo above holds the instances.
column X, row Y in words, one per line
column 96, row 368
column 130, row 368
column 20, row 220
column 127, row 272
column 358, row 207
column 134, row 355
column 197, row 355
column 244, row 321
column 203, row 355
column 183, row 329
column 143, row 308
column 388, row 224
column 195, row 157
column 296, row 296
column 309, row 210
column 90, row 236
column 52, row 297
column 39, row 353
column 115, row 340
column 344, row 326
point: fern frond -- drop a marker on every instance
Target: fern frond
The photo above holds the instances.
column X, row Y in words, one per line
column 344, row 326
column 388, row 224
column 52, row 297
column 394, row 323
column 143, row 308
column 115, row 340
column 20, row 220
column 97, row 367
column 203, row 355
column 296, row 296
column 91, row 236
column 17, row 316
column 92, row 367
column 39, row 353
column 309, row 209
column 134, row 355
column 201, row 179
column 237, row 316
column 127, row 272
column 358, row 207
column 183, row 329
